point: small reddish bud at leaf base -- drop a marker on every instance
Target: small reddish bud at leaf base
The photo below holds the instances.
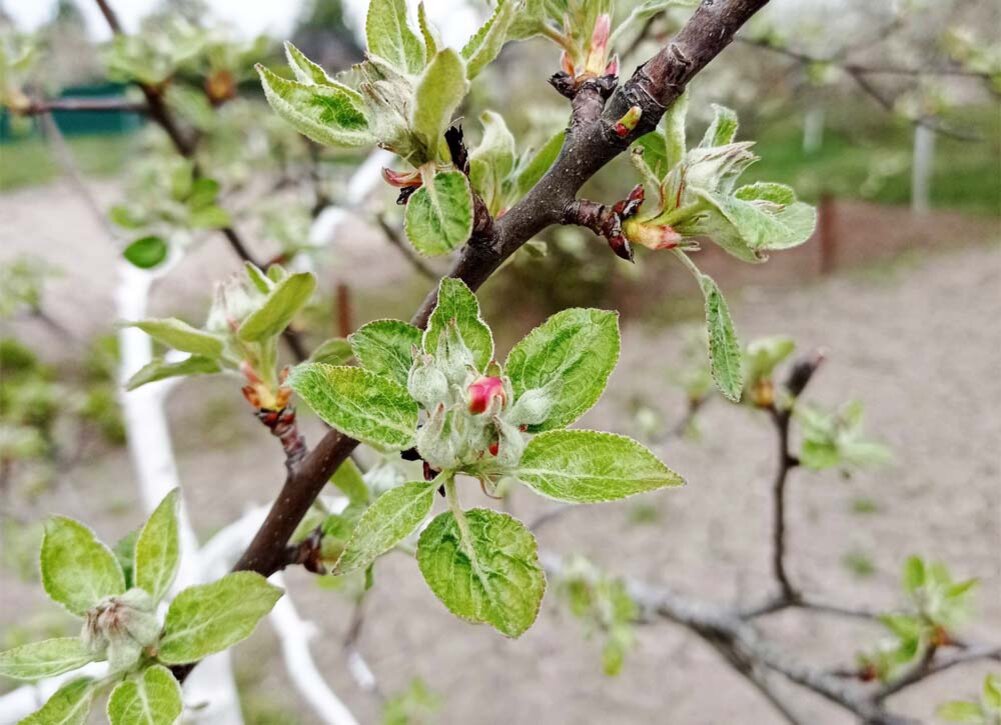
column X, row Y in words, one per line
column 401, row 179
column 651, row 236
column 566, row 64
column 612, row 69
column 494, row 448
column 251, row 395
column 249, row 373
column 483, row 391
column 628, row 121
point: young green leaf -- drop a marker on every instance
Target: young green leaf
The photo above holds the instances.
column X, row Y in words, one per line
column 47, row 658
column 440, row 90
column 439, row 216
column 283, row 302
column 158, row 549
column 992, row 692
column 570, row 357
column 961, row 711
column 78, row 570
column 375, row 410
column 146, row 252
column 393, row 516
column 389, row 36
column 152, row 697
column 70, row 705
column 335, row 351
column 182, row 336
column 385, row 348
column 209, row 618
column 485, row 569
column 725, row 360
column 491, row 162
column 674, row 132
column 125, row 551
column 329, row 115
column 349, row 480
column 722, row 130
column 160, row 370
column 539, row 164
column 457, row 302
column 583, row 466
column 428, row 32
column 486, row 44
column 308, row 72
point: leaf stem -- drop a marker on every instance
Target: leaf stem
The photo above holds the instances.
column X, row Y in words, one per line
column 452, row 496
column 689, row 264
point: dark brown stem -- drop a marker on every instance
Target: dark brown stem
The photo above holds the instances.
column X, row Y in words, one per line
column 606, row 221
column 781, row 419
column 283, row 426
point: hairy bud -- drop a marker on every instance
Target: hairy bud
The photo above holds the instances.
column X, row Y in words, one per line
column 453, row 358
column 531, row 408
column 426, row 383
column 120, row 627
column 486, row 394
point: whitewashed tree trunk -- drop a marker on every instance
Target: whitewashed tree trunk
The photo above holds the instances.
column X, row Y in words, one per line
column 813, row 130
column 921, row 170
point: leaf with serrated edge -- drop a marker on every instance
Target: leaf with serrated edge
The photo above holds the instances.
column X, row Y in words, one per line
column 393, row 516
column 725, row 360
column 439, row 216
column 158, row 549
column 70, row 705
column 389, row 36
column 282, row 303
column 306, row 71
column 374, row 409
column 385, row 347
column 47, row 658
column 493, row 577
column 583, row 466
column 486, row 44
column 457, row 302
column 325, row 114
column 209, row 618
column 335, row 351
column 78, row 570
column 181, row 336
column 570, row 356
column 152, row 697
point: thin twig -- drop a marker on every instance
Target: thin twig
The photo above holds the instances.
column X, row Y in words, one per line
column 393, row 237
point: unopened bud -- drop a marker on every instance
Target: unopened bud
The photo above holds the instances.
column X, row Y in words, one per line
column 426, row 383
column 483, row 392
column 598, row 48
column 625, row 125
column 510, row 444
column 401, row 179
column 531, row 408
column 453, row 357
column 651, row 236
column 120, row 627
column 435, row 441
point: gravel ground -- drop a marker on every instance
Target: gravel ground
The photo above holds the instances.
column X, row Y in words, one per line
column 916, row 341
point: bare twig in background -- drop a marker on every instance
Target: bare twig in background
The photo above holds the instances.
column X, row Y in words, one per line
column 393, row 237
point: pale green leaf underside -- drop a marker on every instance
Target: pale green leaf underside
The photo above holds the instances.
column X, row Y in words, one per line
column 583, row 466
column 70, row 705
column 47, row 658
column 181, row 336
column 150, row 698
column 77, row 569
column 209, row 618
column 326, row 114
column 384, row 347
column 160, row 369
column 457, row 302
column 494, row 577
column 725, row 359
column 374, row 409
column 389, row 36
column 440, row 90
column 570, row 356
column 282, row 303
column 158, row 549
column 394, row 516
column 439, row 217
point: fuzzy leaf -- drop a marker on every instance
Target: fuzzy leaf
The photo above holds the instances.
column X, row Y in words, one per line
column 439, row 217
column 158, row 549
column 47, row 658
column 152, row 697
column 70, row 705
column 428, row 33
column 374, row 409
column 723, row 129
column 326, row 114
column 583, row 466
column 747, row 225
column 457, row 302
column 492, row 575
column 181, row 336
column 146, row 252
column 209, row 618
column 283, row 302
column 570, row 357
column 725, row 359
column 389, row 36
column 308, row 72
column 674, row 133
column 335, row 351
column 440, row 90
column 486, row 44
column 78, row 570
column 393, row 516
column 384, row 347
column 491, row 162
column 160, row 370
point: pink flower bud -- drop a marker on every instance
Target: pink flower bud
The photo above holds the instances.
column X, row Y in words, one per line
column 401, row 179
column 482, row 393
column 612, row 69
column 602, row 31
column 651, row 236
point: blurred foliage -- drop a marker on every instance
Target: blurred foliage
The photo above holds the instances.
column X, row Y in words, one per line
column 417, row 705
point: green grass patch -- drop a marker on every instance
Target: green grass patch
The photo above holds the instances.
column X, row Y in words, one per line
column 30, row 161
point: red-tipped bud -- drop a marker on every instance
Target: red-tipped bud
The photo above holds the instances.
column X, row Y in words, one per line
column 401, row 179
column 651, row 236
column 249, row 373
column 483, row 391
column 494, row 448
column 566, row 64
column 625, row 125
column 602, row 31
column 612, row 69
